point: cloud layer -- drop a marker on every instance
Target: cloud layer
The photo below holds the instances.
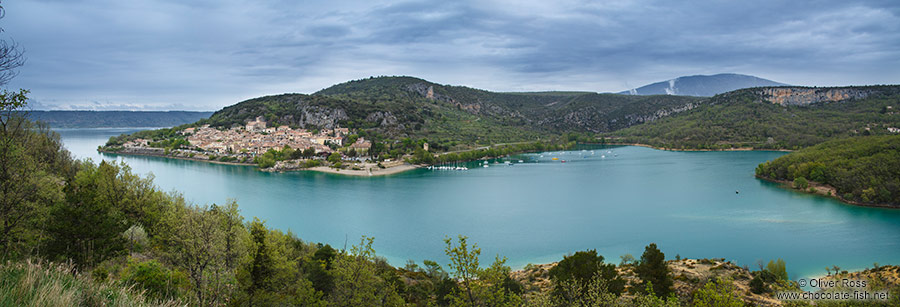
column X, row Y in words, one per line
column 203, row 55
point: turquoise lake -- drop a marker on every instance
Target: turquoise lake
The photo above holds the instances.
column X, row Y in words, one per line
column 540, row 210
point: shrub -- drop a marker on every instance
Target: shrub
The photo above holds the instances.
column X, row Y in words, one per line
column 158, row 281
column 801, row 183
column 311, row 163
column 582, row 268
column 718, row 293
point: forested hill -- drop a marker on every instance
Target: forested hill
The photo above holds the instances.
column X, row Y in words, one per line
column 774, row 118
column 392, row 107
column 115, row 119
column 861, row 169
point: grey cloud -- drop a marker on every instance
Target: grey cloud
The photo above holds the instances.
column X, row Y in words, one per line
column 203, row 55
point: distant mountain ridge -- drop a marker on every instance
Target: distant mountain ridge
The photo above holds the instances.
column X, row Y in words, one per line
column 116, row 119
column 702, row 85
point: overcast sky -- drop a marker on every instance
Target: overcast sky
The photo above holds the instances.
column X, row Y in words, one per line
column 204, row 55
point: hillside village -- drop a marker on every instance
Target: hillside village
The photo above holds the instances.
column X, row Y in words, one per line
column 243, row 143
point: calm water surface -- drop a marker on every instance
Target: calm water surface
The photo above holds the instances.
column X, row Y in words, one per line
column 538, row 211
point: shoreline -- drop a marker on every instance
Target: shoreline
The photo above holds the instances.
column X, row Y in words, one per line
column 322, row 169
column 369, row 172
column 148, row 154
column 688, row 149
column 822, row 190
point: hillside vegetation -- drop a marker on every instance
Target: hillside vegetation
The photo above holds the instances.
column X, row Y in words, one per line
column 861, row 169
column 397, row 107
column 749, row 119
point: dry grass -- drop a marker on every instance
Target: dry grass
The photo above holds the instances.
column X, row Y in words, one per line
column 30, row 283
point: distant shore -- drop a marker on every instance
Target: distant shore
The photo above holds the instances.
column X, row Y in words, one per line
column 823, row 190
column 689, row 149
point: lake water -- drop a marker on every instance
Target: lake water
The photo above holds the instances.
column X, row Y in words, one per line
column 538, row 211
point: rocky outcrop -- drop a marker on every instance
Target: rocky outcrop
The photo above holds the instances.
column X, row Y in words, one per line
column 427, row 91
column 321, row 117
column 799, row 96
column 634, row 119
column 592, row 119
column 382, row 118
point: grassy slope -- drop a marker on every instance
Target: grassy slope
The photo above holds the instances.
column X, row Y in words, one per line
column 28, row 283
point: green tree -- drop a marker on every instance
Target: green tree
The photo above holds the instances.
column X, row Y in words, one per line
column 581, row 269
column 718, row 293
column 262, row 267
column 159, row 282
column 654, row 272
column 318, row 269
column 778, row 269
column 334, row 158
column 33, row 170
column 194, row 240
column 478, row 287
column 801, row 183
column 88, row 228
column 309, row 152
column 357, row 281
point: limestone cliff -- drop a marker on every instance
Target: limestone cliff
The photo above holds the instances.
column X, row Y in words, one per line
column 804, row 96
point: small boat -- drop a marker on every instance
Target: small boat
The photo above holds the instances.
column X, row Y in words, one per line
column 555, row 158
column 485, row 166
column 520, row 161
column 563, row 161
column 737, row 192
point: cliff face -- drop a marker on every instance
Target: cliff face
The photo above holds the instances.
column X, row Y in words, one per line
column 803, row 96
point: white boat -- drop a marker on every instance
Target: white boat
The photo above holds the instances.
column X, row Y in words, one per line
column 485, row 166
column 520, row 161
